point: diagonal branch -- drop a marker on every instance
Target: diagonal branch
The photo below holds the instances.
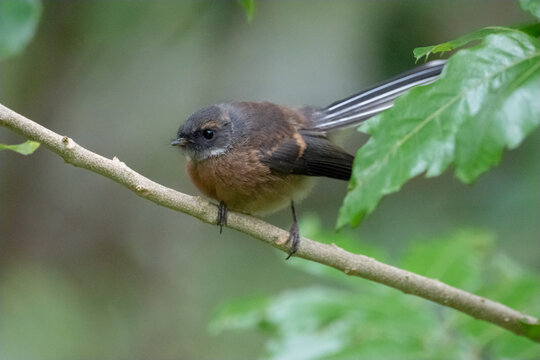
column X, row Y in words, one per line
column 331, row 255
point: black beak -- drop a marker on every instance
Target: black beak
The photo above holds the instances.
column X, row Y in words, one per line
column 179, row 142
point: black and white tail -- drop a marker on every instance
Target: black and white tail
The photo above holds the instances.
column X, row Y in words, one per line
column 372, row 101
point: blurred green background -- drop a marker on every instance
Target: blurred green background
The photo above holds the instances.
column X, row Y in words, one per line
column 88, row 270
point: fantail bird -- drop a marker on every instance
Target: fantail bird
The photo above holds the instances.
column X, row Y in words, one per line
column 256, row 158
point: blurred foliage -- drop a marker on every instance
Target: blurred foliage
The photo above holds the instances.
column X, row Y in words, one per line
column 358, row 319
column 26, row 148
column 486, row 100
column 249, row 8
column 34, row 300
column 101, row 274
column 18, row 22
column 532, row 6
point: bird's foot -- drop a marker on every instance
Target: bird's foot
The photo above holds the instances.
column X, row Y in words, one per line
column 294, row 235
column 294, row 240
column 221, row 216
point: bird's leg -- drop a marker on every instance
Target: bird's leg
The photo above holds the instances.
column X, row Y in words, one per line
column 221, row 216
column 294, row 234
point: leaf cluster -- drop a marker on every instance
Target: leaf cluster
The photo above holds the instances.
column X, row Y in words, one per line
column 485, row 100
column 356, row 319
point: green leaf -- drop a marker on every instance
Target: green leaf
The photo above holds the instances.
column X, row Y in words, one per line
column 249, row 8
column 485, row 100
column 18, row 22
column 376, row 322
column 510, row 109
column 26, row 148
column 420, row 52
column 532, row 6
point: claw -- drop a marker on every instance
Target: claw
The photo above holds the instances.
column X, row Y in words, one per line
column 294, row 235
column 222, row 216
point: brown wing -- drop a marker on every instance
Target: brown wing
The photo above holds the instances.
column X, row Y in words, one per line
column 312, row 154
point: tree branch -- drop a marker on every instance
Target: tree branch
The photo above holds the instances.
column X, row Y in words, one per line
column 331, row 255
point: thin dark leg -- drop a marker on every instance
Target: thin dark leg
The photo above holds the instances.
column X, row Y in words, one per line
column 294, row 234
column 221, row 216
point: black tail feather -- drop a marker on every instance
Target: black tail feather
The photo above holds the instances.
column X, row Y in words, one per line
column 372, row 101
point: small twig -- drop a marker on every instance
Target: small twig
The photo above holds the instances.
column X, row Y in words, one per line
column 331, row 255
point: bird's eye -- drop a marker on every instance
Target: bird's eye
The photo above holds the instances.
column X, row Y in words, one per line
column 208, row 134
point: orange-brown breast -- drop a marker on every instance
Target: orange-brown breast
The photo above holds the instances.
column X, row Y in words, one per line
column 240, row 180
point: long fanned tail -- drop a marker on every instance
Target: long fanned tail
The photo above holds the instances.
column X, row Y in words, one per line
column 372, row 101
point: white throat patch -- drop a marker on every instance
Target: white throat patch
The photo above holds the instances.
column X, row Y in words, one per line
column 207, row 153
column 216, row 152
